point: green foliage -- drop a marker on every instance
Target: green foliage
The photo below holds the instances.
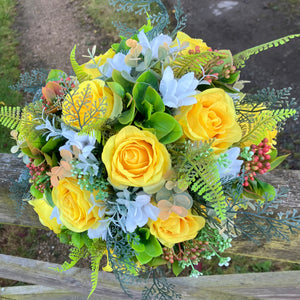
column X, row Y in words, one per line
column 78, row 70
column 159, row 19
column 260, row 223
column 160, row 288
column 240, row 58
column 31, row 82
column 196, row 63
column 10, row 116
column 19, row 191
column 196, row 167
column 263, row 122
column 75, row 255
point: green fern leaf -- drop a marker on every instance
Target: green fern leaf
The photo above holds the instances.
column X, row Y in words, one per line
column 10, row 117
column 78, row 70
column 195, row 63
column 240, row 58
column 75, row 255
column 264, row 122
column 95, row 264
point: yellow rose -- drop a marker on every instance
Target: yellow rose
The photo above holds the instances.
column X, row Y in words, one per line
column 176, row 229
column 193, row 43
column 136, row 158
column 94, row 73
column 90, row 102
column 213, row 116
column 74, row 204
column 44, row 210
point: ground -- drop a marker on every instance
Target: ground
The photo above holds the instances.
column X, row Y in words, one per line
column 48, row 30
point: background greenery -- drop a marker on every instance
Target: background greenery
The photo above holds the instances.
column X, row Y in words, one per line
column 9, row 65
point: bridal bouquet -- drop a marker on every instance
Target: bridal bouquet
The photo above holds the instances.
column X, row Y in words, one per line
column 151, row 155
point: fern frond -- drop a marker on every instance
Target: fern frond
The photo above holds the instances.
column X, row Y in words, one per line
column 95, row 264
column 196, row 167
column 10, row 117
column 240, row 58
column 196, row 63
column 75, row 255
column 265, row 121
column 78, row 70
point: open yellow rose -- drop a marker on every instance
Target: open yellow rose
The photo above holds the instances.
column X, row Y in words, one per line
column 44, row 210
column 176, row 229
column 194, row 44
column 213, row 116
column 136, row 158
column 94, row 73
column 74, row 204
column 90, row 102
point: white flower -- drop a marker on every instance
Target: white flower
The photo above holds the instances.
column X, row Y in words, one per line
column 158, row 41
column 85, row 143
column 55, row 214
column 100, row 231
column 233, row 166
column 138, row 211
column 178, row 93
column 115, row 63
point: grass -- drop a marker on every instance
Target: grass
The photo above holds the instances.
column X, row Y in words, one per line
column 9, row 65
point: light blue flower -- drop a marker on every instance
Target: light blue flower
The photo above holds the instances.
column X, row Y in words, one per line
column 232, row 167
column 138, row 211
column 115, row 63
column 100, row 231
column 158, row 41
column 178, row 92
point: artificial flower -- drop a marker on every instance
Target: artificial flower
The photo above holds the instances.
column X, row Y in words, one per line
column 99, row 61
column 176, row 229
column 135, row 157
column 139, row 211
column 178, row 92
column 161, row 40
column 196, row 45
column 74, row 205
column 212, row 117
column 115, row 63
column 233, row 165
column 92, row 101
column 44, row 210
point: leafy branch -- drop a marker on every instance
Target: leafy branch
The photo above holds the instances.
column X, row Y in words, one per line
column 240, row 58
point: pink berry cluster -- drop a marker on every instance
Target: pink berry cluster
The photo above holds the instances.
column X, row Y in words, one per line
column 191, row 251
column 38, row 175
column 260, row 162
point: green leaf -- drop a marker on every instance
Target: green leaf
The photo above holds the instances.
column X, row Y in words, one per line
column 116, row 88
column 48, row 196
column 143, row 257
column 127, row 116
column 149, row 78
column 232, row 79
column 51, row 145
column 125, row 83
column 157, row 261
column 167, row 129
column 35, row 192
column 176, row 268
column 77, row 240
column 277, row 161
column 88, row 242
column 138, row 94
column 153, row 247
column 55, row 75
column 38, row 161
column 153, row 97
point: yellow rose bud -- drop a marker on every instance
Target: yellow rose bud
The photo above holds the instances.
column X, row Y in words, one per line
column 90, row 102
column 44, row 210
column 213, row 116
column 94, row 73
column 176, row 229
column 74, row 204
column 136, row 158
column 194, row 44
